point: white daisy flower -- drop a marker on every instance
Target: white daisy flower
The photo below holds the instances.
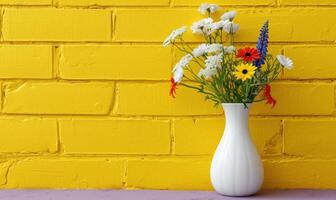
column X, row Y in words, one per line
column 207, row 72
column 183, row 62
column 205, row 7
column 178, row 69
column 200, row 50
column 178, row 74
column 214, row 61
column 202, row 27
column 231, row 27
column 285, row 61
column 208, row 30
column 211, row 48
column 229, row 15
column 218, row 25
column 207, row 48
column 176, row 33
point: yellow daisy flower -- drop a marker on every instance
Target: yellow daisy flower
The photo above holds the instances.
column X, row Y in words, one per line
column 244, row 71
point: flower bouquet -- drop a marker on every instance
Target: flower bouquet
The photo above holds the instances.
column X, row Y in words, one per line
column 234, row 78
column 225, row 75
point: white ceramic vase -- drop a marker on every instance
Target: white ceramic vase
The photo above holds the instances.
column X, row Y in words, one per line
column 236, row 168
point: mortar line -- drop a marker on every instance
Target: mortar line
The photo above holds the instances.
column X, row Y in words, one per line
column 10, row 165
column 57, row 55
column 125, row 174
column 158, row 43
column 26, row 6
column 2, row 14
column 284, row 6
column 53, row 52
column 334, row 98
column 171, row 3
column 163, row 117
column 159, row 81
column 59, row 143
column 56, row 3
column 144, row 81
column 147, row 7
column 112, row 24
column 172, row 137
column 282, row 131
column 113, row 100
column 111, row 157
column 3, row 95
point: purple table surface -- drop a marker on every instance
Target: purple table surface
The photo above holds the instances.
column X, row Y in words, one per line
column 160, row 195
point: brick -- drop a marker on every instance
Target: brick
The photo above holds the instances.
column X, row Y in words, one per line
column 114, row 3
column 154, row 99
column 224, row 3
column 58, row 98
column 115, row 136
column 298, row 99
column 115, row 62
column 286, row 25
column 28, row 135
column 65, row 173
column 25, row 2
column 61, row 24
column 23, row 61
column 311, row 62
column 296, row 174
column 145, row 20
column 308, row 2
column 192, row 136
column 169, row 174
column 319, row 137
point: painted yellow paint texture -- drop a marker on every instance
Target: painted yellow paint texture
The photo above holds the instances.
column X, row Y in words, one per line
column 84, row 95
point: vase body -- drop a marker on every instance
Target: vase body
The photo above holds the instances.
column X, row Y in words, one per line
column 236, row 167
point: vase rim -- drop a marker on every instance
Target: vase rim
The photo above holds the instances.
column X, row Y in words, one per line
column 236, row 103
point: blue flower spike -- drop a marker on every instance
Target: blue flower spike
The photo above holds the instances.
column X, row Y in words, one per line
column 262, row 45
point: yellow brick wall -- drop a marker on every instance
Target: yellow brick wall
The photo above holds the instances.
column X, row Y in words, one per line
column 84, row 95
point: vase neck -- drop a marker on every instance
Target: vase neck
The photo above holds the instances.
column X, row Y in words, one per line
column 236, row 114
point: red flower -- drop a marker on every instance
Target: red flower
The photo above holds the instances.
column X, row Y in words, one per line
column 248, row 54
column 173, row 87
column 267, row 95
